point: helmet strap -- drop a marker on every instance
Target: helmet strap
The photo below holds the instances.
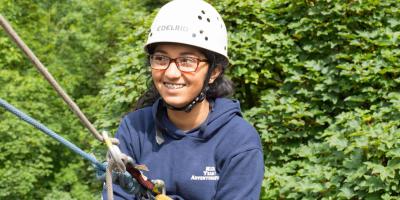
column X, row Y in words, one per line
column 188, row 107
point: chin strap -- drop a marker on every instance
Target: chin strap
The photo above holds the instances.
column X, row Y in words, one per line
column 188, row 107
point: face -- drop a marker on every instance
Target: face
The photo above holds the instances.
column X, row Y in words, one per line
column 178, row 88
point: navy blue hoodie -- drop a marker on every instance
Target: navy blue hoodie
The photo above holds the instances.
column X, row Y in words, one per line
column 221, row 159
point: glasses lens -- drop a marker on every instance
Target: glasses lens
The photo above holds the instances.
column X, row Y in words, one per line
column 187, row 64
column 159, row 61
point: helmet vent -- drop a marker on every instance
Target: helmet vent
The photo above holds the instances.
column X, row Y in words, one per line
column 203, row 12
column 200, row 17
column 206, row 38
column 208, row 19
column 193, row 34
column 201, row 31
column 151, row 34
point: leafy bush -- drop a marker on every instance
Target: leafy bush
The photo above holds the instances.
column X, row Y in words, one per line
column 318, row 79
column 74, row 40
column 322, row 79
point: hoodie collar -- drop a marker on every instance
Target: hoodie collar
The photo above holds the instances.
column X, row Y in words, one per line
column 222, row 110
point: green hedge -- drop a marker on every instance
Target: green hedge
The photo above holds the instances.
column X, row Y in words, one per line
column 74, row 40
column 323, row 81
column 320, row 80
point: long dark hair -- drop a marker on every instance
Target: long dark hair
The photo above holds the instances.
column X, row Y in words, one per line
column 221, row 87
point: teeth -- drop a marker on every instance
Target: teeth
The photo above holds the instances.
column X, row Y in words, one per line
column 173, row 86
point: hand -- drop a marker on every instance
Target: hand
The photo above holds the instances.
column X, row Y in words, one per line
column 126, row 182
column 123, row 179
column 162, row 197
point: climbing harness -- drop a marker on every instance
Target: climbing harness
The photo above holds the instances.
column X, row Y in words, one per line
column 117, row 161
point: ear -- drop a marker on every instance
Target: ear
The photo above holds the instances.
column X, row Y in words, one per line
column 215, row 73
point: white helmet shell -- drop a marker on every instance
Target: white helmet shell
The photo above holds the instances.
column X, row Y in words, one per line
column 192, row 22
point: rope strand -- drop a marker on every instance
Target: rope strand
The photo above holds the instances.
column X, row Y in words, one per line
column 42, row 69
column 113, row 150
column 50, row 133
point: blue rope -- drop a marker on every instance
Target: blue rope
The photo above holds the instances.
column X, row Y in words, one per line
column 52, row 134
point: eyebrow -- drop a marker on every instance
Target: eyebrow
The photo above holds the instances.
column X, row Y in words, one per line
column 181, row 54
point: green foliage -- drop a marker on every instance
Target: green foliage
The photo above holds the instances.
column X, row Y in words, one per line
column 322, row 79
column 74, row 40
column 129, row 76
column 318, row 79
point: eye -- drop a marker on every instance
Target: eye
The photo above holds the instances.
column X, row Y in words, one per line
column 188, row 60
column 160, row 58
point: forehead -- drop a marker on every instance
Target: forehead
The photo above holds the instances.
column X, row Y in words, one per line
column 177, row 49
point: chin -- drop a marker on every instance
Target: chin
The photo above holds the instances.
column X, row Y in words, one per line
column 173, row 101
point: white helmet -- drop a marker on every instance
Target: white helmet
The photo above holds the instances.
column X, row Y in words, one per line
column 192, row 22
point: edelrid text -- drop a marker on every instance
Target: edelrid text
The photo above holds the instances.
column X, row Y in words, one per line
column 172, row 28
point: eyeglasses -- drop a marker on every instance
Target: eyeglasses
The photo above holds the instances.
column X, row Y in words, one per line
column 184, row 64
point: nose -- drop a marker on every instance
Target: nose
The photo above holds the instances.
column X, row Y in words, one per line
column 172, row 72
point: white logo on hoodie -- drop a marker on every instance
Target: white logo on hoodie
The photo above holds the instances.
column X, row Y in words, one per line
column 209, row 174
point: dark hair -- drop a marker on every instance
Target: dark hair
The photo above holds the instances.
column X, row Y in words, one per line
column 221, row 87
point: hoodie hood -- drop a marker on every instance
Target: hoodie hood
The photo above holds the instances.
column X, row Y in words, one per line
column 222, row 111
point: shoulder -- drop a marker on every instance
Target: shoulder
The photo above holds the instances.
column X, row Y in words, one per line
column 223, row 102
column 133, row 129
column 136, row 121
column 243, row 133
column 237, row 129
column 239, row 140
column 138, row 116
column 237, row 135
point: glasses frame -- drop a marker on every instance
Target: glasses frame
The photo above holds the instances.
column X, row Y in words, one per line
column 175, row 60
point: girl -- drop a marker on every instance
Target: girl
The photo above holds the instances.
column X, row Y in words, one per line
column 185, row 131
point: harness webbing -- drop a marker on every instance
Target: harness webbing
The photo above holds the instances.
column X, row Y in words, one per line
column 50, row 133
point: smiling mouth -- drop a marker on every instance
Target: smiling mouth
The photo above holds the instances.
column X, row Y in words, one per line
column 173, row 86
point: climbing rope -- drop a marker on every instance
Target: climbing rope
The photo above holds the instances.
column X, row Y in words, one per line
column 117, row 160
column 113, row 152
column 157, row 187
column 51, row 133
column 43, row 70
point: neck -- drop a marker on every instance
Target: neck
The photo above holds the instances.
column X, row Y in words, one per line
column 189, row 120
